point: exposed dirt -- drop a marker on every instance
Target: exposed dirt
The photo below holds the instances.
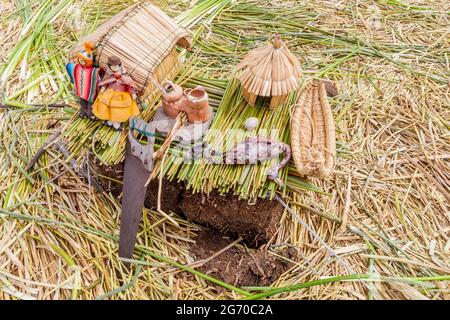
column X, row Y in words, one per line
column 330, row 88
column 234, row 217
column 231, row 216
column 237, row 265
column 223, row 215
column 171, row 195
column 110, row 177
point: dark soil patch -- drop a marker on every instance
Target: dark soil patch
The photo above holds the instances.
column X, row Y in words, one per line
column 171, row 194
column 234, row 217
column 224, row 215
column 229, row 215
column 239, row 266
column 110, row 178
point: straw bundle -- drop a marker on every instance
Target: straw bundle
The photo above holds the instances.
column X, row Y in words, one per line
column 312, row 132
column 270, row 71
column 144, row 38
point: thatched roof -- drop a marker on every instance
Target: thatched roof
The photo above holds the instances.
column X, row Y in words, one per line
column 270, row 71
column 141, row 35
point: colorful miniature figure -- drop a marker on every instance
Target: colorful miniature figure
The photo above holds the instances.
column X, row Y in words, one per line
column 86, row 79
column 116, row 102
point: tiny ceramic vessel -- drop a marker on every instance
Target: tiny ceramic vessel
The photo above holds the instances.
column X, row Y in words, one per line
column 196, row 105
column 172, row 94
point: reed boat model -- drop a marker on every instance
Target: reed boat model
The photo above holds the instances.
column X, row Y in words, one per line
column 312, row 132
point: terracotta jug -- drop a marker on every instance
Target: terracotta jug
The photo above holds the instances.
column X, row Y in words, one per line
column 171, row 94
column 196, row 104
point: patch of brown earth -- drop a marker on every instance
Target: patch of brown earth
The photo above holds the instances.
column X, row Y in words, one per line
column 234, row 217
column 171, row 194
column 239, row 266
column 223, row 215
column 227, row 214
column 110, row 178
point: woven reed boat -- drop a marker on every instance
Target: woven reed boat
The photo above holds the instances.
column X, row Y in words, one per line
column 145, row 39
column 271, row 71
column 313, row 139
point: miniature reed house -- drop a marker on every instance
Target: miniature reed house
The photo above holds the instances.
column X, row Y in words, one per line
column 269, row 74
column 145, row 39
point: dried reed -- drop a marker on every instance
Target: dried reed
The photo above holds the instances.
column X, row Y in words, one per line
column 389, row 59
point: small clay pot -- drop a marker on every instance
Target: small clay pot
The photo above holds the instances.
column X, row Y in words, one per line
column 196, row 105
column 171, row 94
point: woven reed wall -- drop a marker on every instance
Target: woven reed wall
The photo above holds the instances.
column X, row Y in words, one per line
column 166, row 70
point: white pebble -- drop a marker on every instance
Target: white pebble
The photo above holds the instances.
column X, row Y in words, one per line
column 251, row 123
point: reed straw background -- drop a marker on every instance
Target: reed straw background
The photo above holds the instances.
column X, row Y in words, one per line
column 384, row 210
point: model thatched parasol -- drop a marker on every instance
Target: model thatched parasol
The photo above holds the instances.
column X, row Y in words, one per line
column 271, row 71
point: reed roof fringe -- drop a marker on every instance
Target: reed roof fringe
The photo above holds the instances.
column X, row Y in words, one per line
column 270, row 71
column 141, row 35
